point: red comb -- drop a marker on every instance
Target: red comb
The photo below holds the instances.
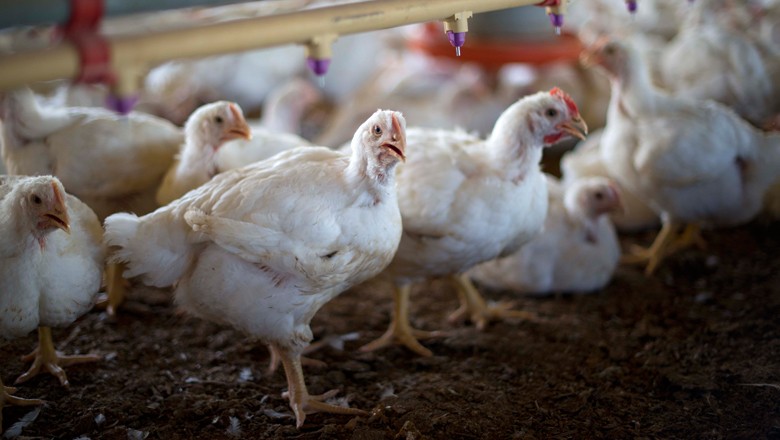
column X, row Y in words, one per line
column 566, row 98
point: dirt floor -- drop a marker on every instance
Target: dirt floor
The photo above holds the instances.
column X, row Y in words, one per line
column 691, row 353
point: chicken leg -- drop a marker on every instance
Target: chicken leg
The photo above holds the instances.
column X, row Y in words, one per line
column 273, row 363
column 301, row 401
column 400, row 329
column 7, row 399
column 47, row 358
column 473, row 304
column 691, row 236
column 666, row 242
column 116, row 286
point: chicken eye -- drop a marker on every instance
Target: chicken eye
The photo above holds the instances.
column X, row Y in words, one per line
column 609, row 50
column 35, row 199
column 551, row 113
column 377, row 130
column 218, row 119
column 599, row 195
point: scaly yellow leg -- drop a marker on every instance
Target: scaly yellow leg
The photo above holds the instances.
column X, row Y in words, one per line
column 300, row 401
column 400, row 330
column 273, row 363
column 691, row 236
column 473, row 306
column 116, row 289
column 667, row 242
column 46, row 358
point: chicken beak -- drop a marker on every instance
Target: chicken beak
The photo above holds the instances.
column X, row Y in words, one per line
column 575, row 127
column 57, row 216
column 398, row 144
column 239, row 129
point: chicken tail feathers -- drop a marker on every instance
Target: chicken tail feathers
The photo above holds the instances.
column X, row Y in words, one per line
column 154, row 250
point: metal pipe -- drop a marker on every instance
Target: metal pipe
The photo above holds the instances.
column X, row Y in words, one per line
column 48, row 12
column 140, row 52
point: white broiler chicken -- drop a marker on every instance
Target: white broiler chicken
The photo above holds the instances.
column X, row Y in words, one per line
column 217, row 139
column 110, row 162
column 585, row 161
column 263, row 247
column 695, row 162
column 278, row 129
column 52, row 265
column 577, row 251
column 205, row 132
column 465, row 200
column 714, row 58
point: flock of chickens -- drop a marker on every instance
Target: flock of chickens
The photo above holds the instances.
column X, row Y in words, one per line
column 255, row 227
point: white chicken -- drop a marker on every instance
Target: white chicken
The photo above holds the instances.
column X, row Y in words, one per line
column 52, row 265
column 695, row 162
column 263, row 247
column 110, row 162
column 585, row 161
column 713, row 58
column 206, row 131
column 577, row 251
column 465, row 200
column 277, row 130
column 217, row 139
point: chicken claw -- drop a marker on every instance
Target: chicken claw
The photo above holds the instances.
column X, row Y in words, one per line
column 301, row 401
column 6, row 398
column 400, row 330
column 45, row 357
column 691, row 236
column 479, row 312
column 667, row 242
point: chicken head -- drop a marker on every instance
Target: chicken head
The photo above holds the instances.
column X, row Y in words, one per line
column 44, row 204
column 609, row 55
column 555, row 117
column 382, row 142
column 216, row 123
column 593, row 197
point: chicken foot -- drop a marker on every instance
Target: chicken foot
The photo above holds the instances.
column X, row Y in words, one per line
column 301, row 401
column 45, row 357
column 6, row 398
column 691, row 236
column 400, row 330
column 667, row 242
column 473, row 305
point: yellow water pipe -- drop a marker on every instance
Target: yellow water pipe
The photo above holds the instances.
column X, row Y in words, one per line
column 138, row 53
